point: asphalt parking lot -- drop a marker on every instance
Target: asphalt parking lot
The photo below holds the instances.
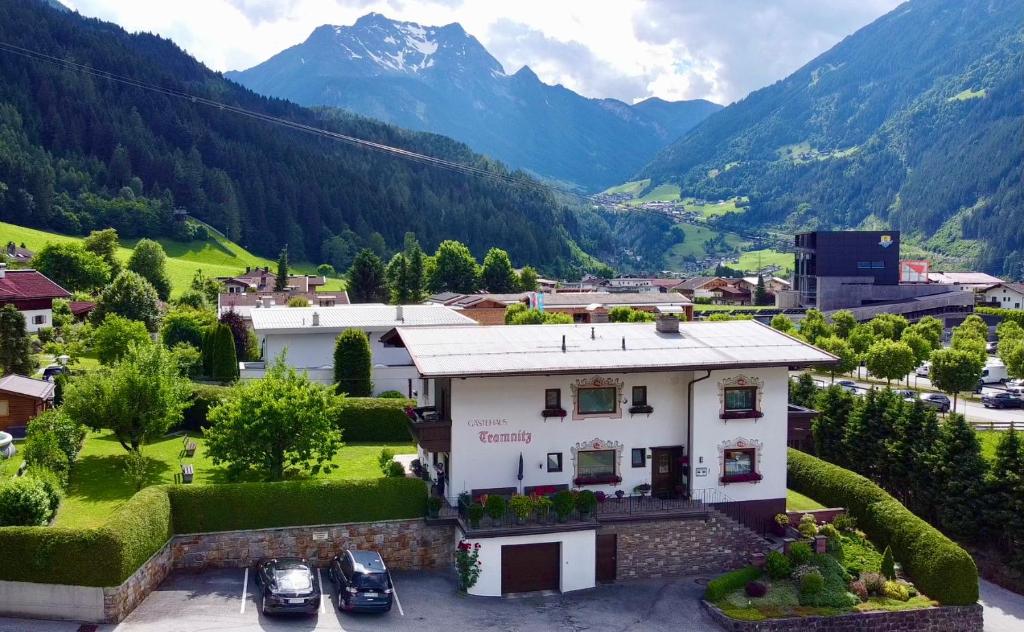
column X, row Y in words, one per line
column 214, row 600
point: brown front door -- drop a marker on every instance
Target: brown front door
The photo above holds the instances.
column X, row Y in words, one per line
column 665, row 472
column 530, row 567
column 607, row 557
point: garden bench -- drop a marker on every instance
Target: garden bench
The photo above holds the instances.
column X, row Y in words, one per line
column 186, row 473
column 190, row 448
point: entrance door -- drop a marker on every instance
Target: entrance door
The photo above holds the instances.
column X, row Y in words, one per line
column 530, row 567
column 607, row 557
column 665, row 471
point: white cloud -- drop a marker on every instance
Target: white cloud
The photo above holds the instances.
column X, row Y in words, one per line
column 626, row 49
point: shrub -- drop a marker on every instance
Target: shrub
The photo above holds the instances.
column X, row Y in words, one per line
column 941, row 569
column 874, row 583
column 888, row 567
column 495, row 507
column 52, row 485
column 228, row 507
column 777, row 565
column 563, row 504
column 396, row 470
column 844, row 522
column 372, row 419
column 897, row 591
column 385, row 459
column 586, row 502
column 521, row 506
column 68, row 433
column 808, row 528
column 782, row 520
column 800, row 553
column 475, row 513
column 858, row 588
column 756, row 589
column 41, row 450
column 391, row 395
column 204, row 397
column 812, row 583
column 24, row 503
column 724, row 584
column 829, row 531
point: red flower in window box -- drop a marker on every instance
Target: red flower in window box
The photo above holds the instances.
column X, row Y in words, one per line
column 610, row 479
column 751, row 477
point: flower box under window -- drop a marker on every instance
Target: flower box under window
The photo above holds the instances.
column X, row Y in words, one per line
column 749, row 477
column 597, row 479
column 742, row 414
column 641, row 410
column 552, row 412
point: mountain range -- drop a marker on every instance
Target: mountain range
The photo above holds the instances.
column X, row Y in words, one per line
column 79, row 151
column 914, row 122
column 442, row 80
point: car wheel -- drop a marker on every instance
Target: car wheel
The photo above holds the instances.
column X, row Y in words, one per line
column 263, row 603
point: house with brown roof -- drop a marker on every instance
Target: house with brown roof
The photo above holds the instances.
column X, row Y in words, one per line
column 244, row 303
column 22, row 399
column 32, row 293
column 584, row 307
column 263, row 280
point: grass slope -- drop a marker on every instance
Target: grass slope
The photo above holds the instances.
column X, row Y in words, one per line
column 216, row 257
column 99, row 485
column 748, row 260
column 629, row 188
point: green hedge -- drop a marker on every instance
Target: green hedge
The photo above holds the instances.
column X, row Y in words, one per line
column 374, row 419
column 201, row 508
column 939, row 567
column 203, row 397
column 104, row 556
column 734, row 580
column 1014, row 315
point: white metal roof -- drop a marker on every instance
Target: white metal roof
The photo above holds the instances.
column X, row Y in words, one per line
column 533, row 349
column 365, row 316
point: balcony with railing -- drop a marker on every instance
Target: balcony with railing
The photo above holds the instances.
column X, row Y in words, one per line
column 430, row 430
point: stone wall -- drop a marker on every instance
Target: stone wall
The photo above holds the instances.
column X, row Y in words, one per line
column 119, row 601
column 682, row 546
column 944, row 619
column 404, row 544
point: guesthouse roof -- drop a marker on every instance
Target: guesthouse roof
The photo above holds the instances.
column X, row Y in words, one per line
column 363, row 316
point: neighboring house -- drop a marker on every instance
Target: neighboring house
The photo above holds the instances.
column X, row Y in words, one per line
column 700, row 287
column 1004, row 295
column 773, row 284
column 731, row 294
column 307, row 335
column 641, row 284
column 22, row 399
column 16, row 254
column 584, row 307
column 243, row 303
column 32, row 294
column 81, row 309
column 697, row 411
column 975, row 281
column 263, row 280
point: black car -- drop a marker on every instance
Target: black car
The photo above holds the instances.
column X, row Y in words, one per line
column 937, row 401
column 1001, row 400
column 362, row 581
column 287, row 584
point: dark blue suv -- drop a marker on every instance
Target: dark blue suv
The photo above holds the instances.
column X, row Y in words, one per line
column 362, row 581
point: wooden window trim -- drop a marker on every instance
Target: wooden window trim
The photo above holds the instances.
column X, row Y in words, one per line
column 740, row 413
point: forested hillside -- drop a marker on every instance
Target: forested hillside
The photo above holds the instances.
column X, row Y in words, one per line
column 79, row 152
column 916, row 121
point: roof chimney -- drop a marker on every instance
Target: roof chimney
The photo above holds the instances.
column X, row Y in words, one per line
column 399, row 313
column 667, row 324
column 3, row 270
column 316, row 319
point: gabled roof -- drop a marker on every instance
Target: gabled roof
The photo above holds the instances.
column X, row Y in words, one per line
column 606, row 348
column 612, row 299
column 81, row 308
column 1016, row 287
column 27, row 387
column 363, row 316
column 21, row 285
column 695, row 283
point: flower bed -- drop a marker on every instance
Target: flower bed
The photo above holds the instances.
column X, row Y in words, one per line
column 845, row 579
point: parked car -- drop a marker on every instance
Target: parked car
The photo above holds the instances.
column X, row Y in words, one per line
column 907, row 395
column 923, row 370
column 52, row 371
column 994, row 373
column 938, row 401
column 287, row 584
column 991, row 348
column 362, row 581
column 1001, row 400
column 847, row 385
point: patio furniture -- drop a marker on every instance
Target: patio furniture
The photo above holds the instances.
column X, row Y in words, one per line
column 186, row 473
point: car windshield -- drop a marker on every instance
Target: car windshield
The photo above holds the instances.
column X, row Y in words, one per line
column 378, row 581
column 294, row 578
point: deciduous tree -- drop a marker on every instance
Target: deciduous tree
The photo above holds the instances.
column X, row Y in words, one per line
column 814, row 326
column 842, row 350
column 149, row 260
column 527, row 279
column 184, row 324
column 71, row 266
column 890, row 360
column 131, row 296
column 105, row 244
column 843, row 323
column 115, row 335
column 497, row 275
column 454, row 269
column 954, row 370
column 782, row 323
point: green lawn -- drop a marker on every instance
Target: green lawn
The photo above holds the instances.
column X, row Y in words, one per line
column 749, row 260
column 98, row 483
column 795, row 501
column 660, row 193
column 968, row 94
column 629, row 188
column 9, row 466
column 694, row 243
column 713, row 209
column 216, row 257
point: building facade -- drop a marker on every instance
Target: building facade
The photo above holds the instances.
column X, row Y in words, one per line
column 688, row 414
column 22, row 399
column 1004, row 295
column 32, row 294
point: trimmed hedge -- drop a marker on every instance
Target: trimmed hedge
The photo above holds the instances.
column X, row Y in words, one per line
column 939, row 567
column 374, row 419
column 734, row 580
column 203, row 508
column 104, row 556
column 1014, row 315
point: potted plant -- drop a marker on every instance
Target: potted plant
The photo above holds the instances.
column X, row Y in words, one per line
column 563, row 504
column 542, row 505
column 476, row 512
column 434, row 506
column 586, row 501
column 495, row 507
column 521, row 506
column 619, row 494
column 643, row 489
column 601, row 496
column 781, row 524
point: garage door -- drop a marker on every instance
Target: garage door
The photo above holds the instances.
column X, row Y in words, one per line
column 529, row 567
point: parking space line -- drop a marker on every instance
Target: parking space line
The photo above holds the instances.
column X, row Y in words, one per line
column 245, row 590
column 320, row 582
column 398, row 602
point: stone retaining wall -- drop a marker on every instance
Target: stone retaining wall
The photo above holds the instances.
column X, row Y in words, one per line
column 670, row 547
column 944, row 619
column 119, row 601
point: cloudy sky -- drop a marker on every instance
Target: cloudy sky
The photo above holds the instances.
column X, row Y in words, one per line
column 626, row 49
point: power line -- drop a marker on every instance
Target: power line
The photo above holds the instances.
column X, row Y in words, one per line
column 494, row 176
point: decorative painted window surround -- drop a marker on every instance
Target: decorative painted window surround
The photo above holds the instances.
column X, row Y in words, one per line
column 740, row 443
column 597, row 381
column 592, row 445
column 741, row 382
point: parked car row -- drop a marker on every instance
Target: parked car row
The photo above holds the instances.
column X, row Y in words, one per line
column 360, row 579
column 1010, row 398
column 938, row 401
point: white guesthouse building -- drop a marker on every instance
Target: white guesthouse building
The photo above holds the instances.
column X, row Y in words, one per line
column 696, row 411
column 306, row 335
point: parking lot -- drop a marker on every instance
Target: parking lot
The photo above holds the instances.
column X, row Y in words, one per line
column 214, row 600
